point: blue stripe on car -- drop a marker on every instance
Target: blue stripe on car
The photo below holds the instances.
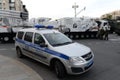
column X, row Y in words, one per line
column 44, row 49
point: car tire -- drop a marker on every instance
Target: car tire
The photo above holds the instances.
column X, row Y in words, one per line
column 59, row 69
column 19, row 53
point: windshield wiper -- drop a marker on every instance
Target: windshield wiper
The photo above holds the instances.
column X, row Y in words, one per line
column 65, row 43
column 57, row 44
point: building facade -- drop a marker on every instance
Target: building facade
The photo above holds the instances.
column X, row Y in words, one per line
column 15, row 5
column 13, row 13
column 112, row 15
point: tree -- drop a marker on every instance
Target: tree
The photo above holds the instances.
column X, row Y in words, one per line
column 109, row 17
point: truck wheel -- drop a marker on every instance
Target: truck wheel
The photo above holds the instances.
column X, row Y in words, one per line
column 92, row 36
column 71, row 36
column 82, row 36
column 6, row 39
column 1, row 39
column 59, row 69
column 87, row 36
column 19, row 53
column 77, row 36
column 13, row 39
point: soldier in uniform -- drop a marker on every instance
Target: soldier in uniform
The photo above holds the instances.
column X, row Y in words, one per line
column 101, row 33
column 106, row 31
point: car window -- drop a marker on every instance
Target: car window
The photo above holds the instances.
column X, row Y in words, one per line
column 28, row 36
column 20, row 35
column 38, row 39
column 57, row 39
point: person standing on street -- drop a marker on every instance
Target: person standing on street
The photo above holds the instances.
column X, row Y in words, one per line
column 102, row 31
column 106, row 29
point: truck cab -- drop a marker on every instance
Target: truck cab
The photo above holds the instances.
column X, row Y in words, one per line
column 102, row 24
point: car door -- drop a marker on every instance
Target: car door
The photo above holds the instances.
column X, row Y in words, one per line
column 39, row 48
column 28, row 45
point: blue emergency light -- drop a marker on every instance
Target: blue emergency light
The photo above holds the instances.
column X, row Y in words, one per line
column 42, row 26
column 50, row 27
column 39, row 26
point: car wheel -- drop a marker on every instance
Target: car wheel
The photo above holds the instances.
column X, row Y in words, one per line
column 59, row 69
column 19, row 53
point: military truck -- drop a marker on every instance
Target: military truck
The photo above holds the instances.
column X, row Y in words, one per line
column 115, row 26
column 10, row 22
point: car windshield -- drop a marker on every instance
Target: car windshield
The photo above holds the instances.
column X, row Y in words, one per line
column 57, row 39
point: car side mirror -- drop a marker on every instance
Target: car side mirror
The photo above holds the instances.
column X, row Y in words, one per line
column 43, row 45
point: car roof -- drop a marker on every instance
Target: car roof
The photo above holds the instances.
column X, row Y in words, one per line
column 40, row 30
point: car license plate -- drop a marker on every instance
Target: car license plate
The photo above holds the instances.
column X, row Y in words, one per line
column 88, row 64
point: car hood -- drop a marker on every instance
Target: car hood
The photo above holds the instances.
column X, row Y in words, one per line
column 73, row 49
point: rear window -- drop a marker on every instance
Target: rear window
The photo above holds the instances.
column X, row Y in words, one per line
column 28, row 36
column 20, row 35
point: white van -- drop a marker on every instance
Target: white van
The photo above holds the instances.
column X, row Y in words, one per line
column 54, row 49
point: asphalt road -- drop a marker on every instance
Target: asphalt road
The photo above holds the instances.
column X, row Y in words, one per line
column 106, row 66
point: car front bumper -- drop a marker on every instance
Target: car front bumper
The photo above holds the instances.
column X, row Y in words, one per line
column 79, row 69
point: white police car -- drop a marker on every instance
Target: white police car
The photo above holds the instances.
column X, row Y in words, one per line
column 54, row 49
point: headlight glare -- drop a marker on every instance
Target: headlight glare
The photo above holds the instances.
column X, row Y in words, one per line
column 76, row 60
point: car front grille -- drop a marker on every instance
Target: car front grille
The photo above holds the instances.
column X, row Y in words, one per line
column 88, row 56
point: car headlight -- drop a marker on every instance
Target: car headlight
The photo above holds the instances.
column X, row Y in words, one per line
column 76, row 60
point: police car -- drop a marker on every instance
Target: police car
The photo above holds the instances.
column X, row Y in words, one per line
column 54, row 49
